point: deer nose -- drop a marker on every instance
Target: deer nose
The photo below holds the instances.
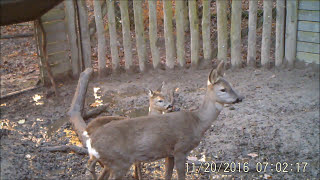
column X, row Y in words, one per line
column 169, row 106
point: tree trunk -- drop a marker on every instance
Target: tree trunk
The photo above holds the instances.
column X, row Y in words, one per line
column 222, row 29
column 252, row 39
column 280, row 32
column 291, row 32
column 84, row 33
column 113, row 35
column 101, row 38
column 77, row 105
column 153, row 33
column 180, row 29
column 126, row 34
column 194, row 29
column 206, row 18
column 71, row 19
column 139, row 29
column 236, row 34
column 266, row 33
column 168, row 33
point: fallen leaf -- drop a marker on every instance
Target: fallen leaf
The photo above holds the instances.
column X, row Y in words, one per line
column 21, row 121
column 253, row 155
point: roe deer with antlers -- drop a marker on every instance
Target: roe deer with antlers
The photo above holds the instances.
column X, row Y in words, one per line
column 119, row 144
column 159, row 103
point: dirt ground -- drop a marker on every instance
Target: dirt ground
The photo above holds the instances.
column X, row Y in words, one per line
column 277, row 123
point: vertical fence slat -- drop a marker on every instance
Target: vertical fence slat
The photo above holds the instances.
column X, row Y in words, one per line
column 291, row 32
column 206, row 17
column 126, row 34
column 222, row 29
column 84, row 32
column 168, row 33
column 252, row 36
column 101, row 38
column 139, row 30
column 280, row 33
column 236, row 34
column 266, row 33
column 113, row 35
column 180, row 26
column 194, row 29
column 153, row 33
column 70, row 13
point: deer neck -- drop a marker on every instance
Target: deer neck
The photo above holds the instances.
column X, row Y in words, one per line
column 208, row 112
column 153, row 111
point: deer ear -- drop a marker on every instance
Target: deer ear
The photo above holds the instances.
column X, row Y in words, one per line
column 213, row 76
column 150, row 93
column 220, row 69
column 161, row 87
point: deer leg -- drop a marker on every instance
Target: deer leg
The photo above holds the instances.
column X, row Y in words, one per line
column 137, row 171
column 92, row 167
column 118, row 173
column 179, row 161
column 105, row 173
column 169, row 167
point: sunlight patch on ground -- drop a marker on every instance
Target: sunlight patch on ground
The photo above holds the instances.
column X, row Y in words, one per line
column 37, row 99
column 7, row 124
column 97, row 97
column 2, row 105
column 73, row 138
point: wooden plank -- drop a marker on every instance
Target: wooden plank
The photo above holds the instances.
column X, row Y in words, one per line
column 194, row 29
column 153, row 32
column 305, row 15
column 54, row 26
column 266, row 33
column 309, row 5
column 308, row 36
column 61, row 68
column 168, row 33
column 58, row 57
column 309, row 26
column 280, row 32
column 308, row 47
column 56, row 37
column 139, row 30
column 252, row 35
column 126, row 34
column 59, row 6
column 222, row 29
column 113, row 35
column 235, row 34
column 206, row 18
column 53, row 15
column 308, row 57
column 57, row 47
column 291, row 32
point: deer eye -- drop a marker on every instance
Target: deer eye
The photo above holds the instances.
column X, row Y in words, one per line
column 160, row 101
column 223, row 90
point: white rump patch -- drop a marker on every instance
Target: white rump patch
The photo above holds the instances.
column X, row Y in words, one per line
column 85, row 133
column 91, row 150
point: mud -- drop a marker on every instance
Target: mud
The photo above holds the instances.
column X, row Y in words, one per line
column 277, row 123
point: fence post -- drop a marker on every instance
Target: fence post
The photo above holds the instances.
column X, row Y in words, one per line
column 266, row 33
column 101, row 38
column 291, row 32
column 113, row 35
column 126, row 34
column 153, row 33
column 194, row 29
column 139, row 30
column 71, row 19
column 180, row 25
column 206, row 17
column 222, row 29
column 168, row 33
column 280, row 32
column 84, row 32
column 236, row 34
column 252, row 37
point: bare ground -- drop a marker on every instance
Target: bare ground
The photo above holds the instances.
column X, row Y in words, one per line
column 278, row 123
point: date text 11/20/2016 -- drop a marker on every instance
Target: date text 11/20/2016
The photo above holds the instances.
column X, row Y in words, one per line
column 233, row 167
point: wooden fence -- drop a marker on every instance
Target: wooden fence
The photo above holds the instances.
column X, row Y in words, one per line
column 188, row 31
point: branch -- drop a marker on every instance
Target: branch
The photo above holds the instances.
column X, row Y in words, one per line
column 95, row 112
column 66, row 148
column 16, row 36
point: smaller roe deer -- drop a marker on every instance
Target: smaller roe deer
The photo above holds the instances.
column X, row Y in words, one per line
column 119, row 144
column 159, row 103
